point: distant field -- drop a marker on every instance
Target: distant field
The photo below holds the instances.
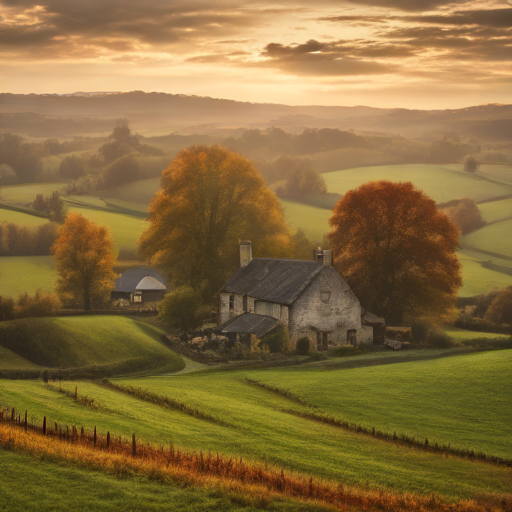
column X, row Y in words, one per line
column 495, row 238
column 26, row 193
column 477, row 279
column 311, row 219
column 463, row 334
column 19, row 274
column 20, row 218
column 140, row 192
column 497, row 172
column 81, row 341
column 439, row 182
column 125, row 229
column 496, row 210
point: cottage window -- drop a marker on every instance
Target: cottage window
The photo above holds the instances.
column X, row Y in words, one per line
column 231, row 302
column 325, row 295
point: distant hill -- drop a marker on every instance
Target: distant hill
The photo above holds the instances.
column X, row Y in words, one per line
column 94, row 112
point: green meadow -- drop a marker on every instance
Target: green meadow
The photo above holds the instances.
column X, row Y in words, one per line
column 439, row 182
column 460, row 399
column 314, row 221
column 20, row 218
column 476, row 279
column 82, row 341
column 496, row 238
column 20, row 274
column 48, row 485
column 26, row 193
column 463, row 334
column 496, row 210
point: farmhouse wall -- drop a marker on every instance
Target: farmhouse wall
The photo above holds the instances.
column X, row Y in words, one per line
column 365, row 335
column 326, row 311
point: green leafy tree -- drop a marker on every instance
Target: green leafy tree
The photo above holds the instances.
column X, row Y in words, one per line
column 210, row 199
column 471, row 164
column 182, row 309
column 123, row 170
column 72, row 167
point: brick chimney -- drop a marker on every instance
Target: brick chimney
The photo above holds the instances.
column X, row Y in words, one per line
column 323, row 256
column 245, row 252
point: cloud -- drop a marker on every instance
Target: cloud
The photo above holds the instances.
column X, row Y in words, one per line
column 319, row 59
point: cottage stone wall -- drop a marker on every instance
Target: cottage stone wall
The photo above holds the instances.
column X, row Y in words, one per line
column 326, row 311
column 365, row 335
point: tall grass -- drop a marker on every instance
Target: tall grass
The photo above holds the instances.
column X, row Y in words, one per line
column 112, row 454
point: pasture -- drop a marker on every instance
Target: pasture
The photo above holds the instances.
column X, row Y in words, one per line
column 81, row 341
column 20, row 274
column 20, row 218
column 314, row 221
column 439, row 182
column 461, row 399
column 496, row 210
column 476, row 279
column 495, row 238
column 463, row 334
column 26, row 192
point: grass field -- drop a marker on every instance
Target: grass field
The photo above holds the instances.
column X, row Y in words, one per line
column 311, row 219
column 20, row 274
column 9, row 360
column 477, row 279
column 463, row 334
column 56, row 486
column 82, row 341
column 496, row 238
column 26, row 193
column 461, row 398
column 496, row 210
column 497, row 172
column 440, row 183
column 20, row 218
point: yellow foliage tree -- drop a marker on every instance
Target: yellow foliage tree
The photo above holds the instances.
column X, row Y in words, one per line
column 210, row 199
column 84, row 257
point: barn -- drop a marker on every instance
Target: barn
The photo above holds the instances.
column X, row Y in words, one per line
column 140, row 284
column 309, row 297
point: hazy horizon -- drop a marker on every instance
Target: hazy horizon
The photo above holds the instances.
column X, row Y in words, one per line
column 420, row 54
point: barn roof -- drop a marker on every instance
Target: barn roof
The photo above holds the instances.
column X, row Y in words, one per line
column 371, row 319
column 273, row 279
column 130, row 280
column 249, row 323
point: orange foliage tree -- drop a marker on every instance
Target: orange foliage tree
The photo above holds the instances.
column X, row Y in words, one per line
column 210, row 199
column 84, row 257
column 396, row 250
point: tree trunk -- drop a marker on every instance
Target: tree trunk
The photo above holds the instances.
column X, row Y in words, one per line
column 87, row 299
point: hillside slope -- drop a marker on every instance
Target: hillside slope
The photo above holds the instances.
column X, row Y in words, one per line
column 118, row 343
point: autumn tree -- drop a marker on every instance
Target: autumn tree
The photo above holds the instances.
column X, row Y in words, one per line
column 464, row 213
column 396, row 250
column 500, row 309
column 210, row 199
column 84, row 256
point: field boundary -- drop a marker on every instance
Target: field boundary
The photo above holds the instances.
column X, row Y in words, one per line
column 112, row 454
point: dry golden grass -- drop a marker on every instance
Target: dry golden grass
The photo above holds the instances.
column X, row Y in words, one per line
column 115, row 456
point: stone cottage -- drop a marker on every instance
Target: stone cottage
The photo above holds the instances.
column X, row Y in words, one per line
column 140, row 284
column 309, row 297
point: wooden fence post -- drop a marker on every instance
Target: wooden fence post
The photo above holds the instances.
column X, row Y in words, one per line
column 108, row 440
column 95, row 437
column 44, row 426
column 26, row 421
column 134, row 446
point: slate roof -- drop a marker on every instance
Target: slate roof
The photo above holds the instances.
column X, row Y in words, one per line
column 370, row 318
column 273, row 279
column 249, row 323
column 129, row 280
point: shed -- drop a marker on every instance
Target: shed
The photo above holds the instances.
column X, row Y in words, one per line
column 140, row 284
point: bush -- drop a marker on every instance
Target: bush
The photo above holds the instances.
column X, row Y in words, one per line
column 303, row 346
column 278, row 341
column 6, row 308
column 317, row 356
column 346, row 351
column 420, row 330
column 182, row 309
column 41, row 304
column 439, row 339
column 500, row 309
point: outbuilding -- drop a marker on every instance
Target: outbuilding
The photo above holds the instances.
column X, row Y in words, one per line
column 140, row 284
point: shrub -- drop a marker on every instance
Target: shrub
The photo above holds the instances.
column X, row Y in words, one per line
column 420, row 330
column 303, row 346
column 41, row 304
column 500, row 309
column 279, row 340
column 345, row 351
column 182, row 309
column 439, row 339
column 6, row 308
column 317, row 356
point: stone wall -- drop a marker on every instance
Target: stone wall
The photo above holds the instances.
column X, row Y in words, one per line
column 326, row 311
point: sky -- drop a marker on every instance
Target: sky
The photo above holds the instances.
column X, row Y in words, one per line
column 424, row 54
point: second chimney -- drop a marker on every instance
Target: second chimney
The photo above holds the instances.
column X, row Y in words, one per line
column 245, row 252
